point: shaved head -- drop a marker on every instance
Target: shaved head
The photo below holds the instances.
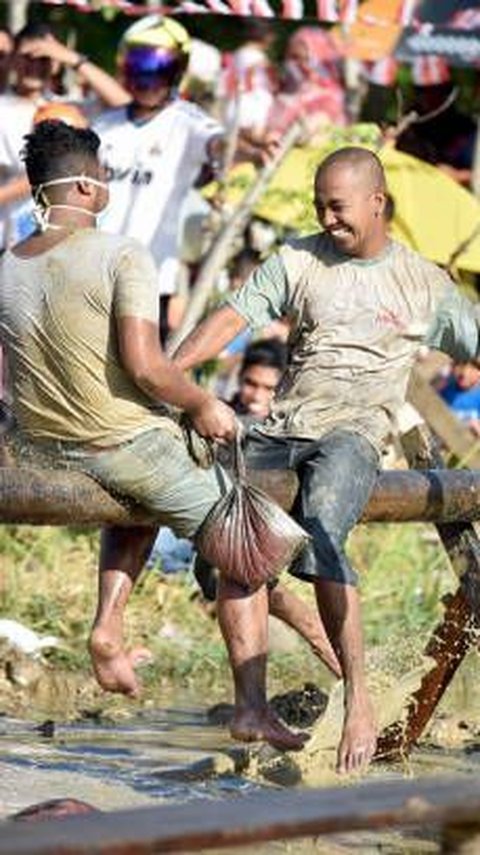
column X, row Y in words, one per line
column 365, row 164
column 350, row 197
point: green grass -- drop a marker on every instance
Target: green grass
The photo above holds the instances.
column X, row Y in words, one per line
column 48, row 582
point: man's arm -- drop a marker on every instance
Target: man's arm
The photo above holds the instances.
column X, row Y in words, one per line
column 104, row 85
column 455, row 327
column 14, row 189
column 147, row 365
column 209, row 338
column 211, row 169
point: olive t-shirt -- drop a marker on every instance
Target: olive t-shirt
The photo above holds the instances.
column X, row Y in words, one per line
column 58, row 315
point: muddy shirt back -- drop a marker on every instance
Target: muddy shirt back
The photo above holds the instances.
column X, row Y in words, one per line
column 57, row 323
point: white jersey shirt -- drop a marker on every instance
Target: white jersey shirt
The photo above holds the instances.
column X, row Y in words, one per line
column 16, row 120
column 151, row 166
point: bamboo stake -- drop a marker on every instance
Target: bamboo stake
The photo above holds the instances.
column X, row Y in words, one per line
column 221, row 246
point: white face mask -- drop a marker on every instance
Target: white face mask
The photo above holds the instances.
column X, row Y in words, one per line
column 43, row 206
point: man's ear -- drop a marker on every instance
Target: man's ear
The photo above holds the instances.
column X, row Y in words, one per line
column 85, row 187
column 380, row 201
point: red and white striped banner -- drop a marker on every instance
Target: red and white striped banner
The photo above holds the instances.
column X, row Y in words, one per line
column 430, row 71
column 328, row 11
column 383, row 72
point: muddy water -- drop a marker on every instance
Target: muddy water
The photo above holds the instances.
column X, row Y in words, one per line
column 176, row 755
column 168, row 755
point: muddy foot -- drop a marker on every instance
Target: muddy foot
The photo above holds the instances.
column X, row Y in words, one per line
column 358, row 742
column 258, row 725
column 113, row 666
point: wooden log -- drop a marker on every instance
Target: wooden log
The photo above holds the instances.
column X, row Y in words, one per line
column 53, row 497
column 447, row 647
column 454, row 636
column 260, row 816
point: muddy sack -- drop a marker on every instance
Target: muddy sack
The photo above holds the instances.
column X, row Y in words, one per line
column 247, row 535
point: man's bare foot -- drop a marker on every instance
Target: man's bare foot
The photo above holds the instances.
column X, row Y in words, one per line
column 359, row 739
column 113, row 666
column 263, row 725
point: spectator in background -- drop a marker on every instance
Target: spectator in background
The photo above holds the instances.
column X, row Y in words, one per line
column 6, row 52
column 247, row 90
column 311, row 88
column 447, row 138
column 156, row 148
column 37, row 57
column 460, row 389
column 201, row 80
column 262, row 368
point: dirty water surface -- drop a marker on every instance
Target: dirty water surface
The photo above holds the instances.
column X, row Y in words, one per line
column 178, row 754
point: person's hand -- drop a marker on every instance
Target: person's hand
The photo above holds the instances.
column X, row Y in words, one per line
column 48, row 47
column 267, row 149
column 215, row 420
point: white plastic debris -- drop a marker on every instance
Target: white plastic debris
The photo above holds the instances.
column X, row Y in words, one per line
column 24, row 639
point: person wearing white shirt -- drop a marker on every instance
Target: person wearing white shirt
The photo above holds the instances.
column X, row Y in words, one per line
column 155, row 148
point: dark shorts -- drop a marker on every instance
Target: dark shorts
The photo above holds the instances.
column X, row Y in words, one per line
column 336, row 475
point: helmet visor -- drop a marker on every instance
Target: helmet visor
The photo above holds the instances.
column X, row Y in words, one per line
column 146, row 67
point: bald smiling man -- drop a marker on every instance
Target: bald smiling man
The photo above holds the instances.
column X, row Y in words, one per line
column 360, row 304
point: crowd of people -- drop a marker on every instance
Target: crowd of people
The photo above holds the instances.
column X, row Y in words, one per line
column 91, row 206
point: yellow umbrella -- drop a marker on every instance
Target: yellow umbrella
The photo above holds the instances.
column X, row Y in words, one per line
column 433, row 214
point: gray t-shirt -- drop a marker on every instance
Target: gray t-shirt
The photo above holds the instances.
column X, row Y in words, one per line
column 356, row 326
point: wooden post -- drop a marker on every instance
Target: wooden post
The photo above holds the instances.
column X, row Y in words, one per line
column 456, row 436
column 453, row 637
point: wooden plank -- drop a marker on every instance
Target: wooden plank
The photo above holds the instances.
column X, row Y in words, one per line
column 52, row 497
column 441, row 419
column 259, row 816
column 447, row 646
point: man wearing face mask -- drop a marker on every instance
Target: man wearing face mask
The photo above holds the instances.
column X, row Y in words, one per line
column 155, row 148
column 78, row 321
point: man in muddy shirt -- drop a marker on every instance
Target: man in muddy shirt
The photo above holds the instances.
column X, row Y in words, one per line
column 359, row 304
column 78, row 320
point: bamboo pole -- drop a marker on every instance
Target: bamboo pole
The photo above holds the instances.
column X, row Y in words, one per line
column 220, row 249
column 17, row 14
column 273, row 815
column 52, row 497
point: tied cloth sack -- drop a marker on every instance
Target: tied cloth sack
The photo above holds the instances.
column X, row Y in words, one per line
column 246, row 535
